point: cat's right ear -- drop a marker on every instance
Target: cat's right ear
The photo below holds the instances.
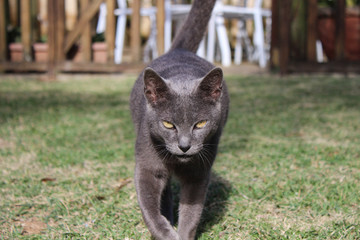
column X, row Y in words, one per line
column 155, row 89
column 210, row 87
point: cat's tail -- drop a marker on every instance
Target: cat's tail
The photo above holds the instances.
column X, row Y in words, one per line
column 193, row 30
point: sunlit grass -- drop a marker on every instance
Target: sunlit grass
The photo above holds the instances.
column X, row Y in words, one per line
column 288, row 165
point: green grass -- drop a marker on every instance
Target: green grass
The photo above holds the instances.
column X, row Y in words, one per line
column 288, row 165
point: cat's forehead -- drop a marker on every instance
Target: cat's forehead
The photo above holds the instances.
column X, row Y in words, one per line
column 183, row 86
column 186, row 109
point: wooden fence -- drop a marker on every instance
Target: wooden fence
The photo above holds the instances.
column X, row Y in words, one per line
column 283, row 46
column 60, row 42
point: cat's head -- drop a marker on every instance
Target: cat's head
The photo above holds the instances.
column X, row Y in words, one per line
column 183, row 116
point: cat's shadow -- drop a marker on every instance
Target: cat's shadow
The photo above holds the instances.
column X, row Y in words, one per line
column 215, row 204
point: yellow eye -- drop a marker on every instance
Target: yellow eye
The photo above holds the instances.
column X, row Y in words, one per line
column 168, row 125
column 201, row 124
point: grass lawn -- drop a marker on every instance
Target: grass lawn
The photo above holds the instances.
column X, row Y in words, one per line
column 288, row 165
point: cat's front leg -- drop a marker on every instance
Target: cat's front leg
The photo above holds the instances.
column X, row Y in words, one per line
column 149, row 187
column 166, row 203
column 191, row 205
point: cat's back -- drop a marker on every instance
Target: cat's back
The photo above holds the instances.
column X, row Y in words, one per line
column 183, row 63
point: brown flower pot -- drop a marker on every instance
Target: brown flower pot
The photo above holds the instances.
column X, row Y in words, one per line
column 99, row 52
column 352, row 38
column 326, row 30
column 41, row 52
column 16, row 52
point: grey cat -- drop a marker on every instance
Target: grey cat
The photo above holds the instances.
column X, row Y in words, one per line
column 179, row 107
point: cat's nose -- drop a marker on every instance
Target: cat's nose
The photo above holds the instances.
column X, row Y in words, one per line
column 184, row 143
column 184, row 148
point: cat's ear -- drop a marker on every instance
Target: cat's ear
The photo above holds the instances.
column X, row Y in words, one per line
column 210, row 87
column 155, row 89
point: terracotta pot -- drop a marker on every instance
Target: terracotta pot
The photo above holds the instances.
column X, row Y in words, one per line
column 326, row 31
column 41, row 52
column 16, row 52
column 99, row 52
column 352, row 38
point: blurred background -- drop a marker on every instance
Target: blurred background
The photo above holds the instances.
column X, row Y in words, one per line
column 113, row 35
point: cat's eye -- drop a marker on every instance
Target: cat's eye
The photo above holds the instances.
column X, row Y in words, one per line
column 168, row 125
column 200, row 124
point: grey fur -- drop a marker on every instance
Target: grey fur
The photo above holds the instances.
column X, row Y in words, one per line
column 183, row 89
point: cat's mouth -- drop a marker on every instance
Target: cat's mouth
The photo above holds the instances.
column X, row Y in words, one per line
column 184, row 156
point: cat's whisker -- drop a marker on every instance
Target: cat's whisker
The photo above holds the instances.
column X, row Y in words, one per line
column 165, row 158
column 165, row 154
column 209, row 144
column 160, row 146
column 208, row 154
column 204, row 159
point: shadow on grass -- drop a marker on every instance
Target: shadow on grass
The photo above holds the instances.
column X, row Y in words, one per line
column 278, row 105
column 272, row 95
column 215, row 204
column 74, row 126
column 33, row 103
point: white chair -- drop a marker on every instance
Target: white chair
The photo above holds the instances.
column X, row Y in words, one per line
column 319, row 52
column 177, row 13
column 242, row 38
column 256, row 13
column 101, row 24
column 173, row 12
column 216, row 25
column 121, row 12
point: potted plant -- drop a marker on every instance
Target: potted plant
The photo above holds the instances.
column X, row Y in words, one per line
column 326, row 28
column 99, row 48
column 41, row 50
column 16, row 49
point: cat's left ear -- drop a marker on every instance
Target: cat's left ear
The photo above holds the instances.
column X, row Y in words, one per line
column 211, row 85
column 155, row 88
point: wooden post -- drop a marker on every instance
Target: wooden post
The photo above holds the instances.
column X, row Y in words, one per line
column 85, row 41
column 52, row 39
column 311, row 30
column 284, row 38
column 274, row 57
column 340, row 29
column 135, row 32
column 3, row 45
column 110, row 29
column 13, row 12
column 25, row 20
column 160, row 22
column 60, row 30
column 85, row 17
column 43, row 17
column 71, row 13
column 56, row 15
